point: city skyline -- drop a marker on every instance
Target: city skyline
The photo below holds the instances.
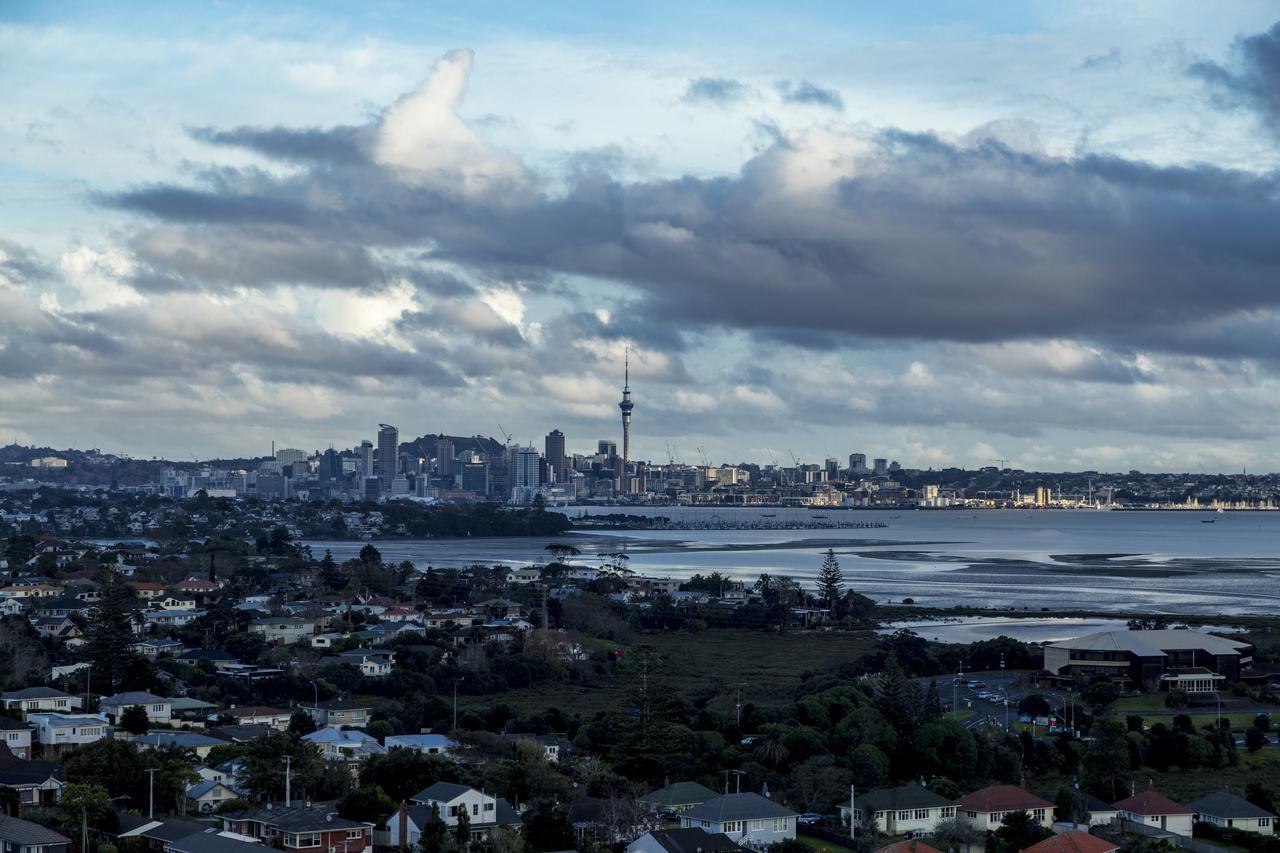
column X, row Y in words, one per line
column 944, row 236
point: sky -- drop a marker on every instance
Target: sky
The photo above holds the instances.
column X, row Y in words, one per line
column 944, row 233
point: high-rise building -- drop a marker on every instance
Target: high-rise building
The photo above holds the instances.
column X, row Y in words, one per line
column 832, row 467
column 388, row 455
column 290, row 456
column 626, row 406
column 444, row 457
column 330, row 466
column 525, row 467
column 365, row 466
column 607, row 448
column 857, row 462
column 881, row 467
column 554, row 451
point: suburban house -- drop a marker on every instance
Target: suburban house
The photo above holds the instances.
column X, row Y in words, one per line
column 682, row 841
column 282, row 630
column 16, row 736
column 56, row 732
column 748, row 819
column 485, row 813
column 220, row 658
column 23, row 836
column 158, row 708
column 302, row 828
column 339, row 712
column 426, row 744
column 208, row 794
column 156, row 646
column 34, row 783
column 1225, row 809
column 198, row 743
column 374, row 663
column 678, row 797
column 1100, row 811
column 1152, row 808
column 1073, row 841
column 40, row 699
column 257, row 715
column 986, row 808
column 344, row 744
column 187, row 709
column 212, row 841
column 1190, row 658
column 909, row 809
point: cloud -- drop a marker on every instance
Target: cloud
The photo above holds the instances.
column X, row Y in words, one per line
column 1102, row 60
column 809, row 94
column 720, row 91
column 1252, row 81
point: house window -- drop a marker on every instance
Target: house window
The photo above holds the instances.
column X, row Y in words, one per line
column 1264, row 821
column 972, row 814
column 948, row 812
column 303, row 839
column 904, row 815
column 758, row 825
column 488, row 807
column 1039, row 815
column 355, row 834
column 921, row 814
column 453, row 811
column 779, row 824
column 475, row 809
column 732, row 826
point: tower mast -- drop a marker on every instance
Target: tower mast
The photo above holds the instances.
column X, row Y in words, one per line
column 626, row 406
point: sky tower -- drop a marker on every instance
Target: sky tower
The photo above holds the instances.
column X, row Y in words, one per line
column 626, row 406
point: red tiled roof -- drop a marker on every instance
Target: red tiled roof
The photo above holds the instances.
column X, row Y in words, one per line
column 1152, row 802
column 1072, row 841
column 1002, row 798
column 908, row 847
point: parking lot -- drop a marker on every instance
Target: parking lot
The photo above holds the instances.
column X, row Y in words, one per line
column 981, row 696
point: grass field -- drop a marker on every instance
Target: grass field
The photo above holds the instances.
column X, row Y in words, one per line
column 712, row 663
column 1138, row 704
column 821, row 846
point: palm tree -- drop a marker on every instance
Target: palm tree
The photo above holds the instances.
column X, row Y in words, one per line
column 771, row 751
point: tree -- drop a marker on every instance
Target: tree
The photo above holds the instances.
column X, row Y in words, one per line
column 1071, row 806
column 114, row 764
column 1106, row 762
column 1100, row 693
column 404, row 772
column 1254, row 739
column 956, row 834
column 368, row 803
column 370, row 556
column 1018, row 831
column 1034, row 705
column 110, row 638
column 86, row 806
column 264, row 767
column 22, row 656
column 830, row 580
column 134, row 720
column 433, row 834
column 176, row 773
column 301, row 723
column 462, row 832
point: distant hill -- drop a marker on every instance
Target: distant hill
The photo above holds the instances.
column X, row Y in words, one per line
column 426, row 445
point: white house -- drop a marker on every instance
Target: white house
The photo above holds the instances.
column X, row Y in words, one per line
column 426, row 744
column 207, row 795
column 748, row 819
column 56, row 732
column 1152, row 808
column 344, row 744
column 158, row 708
column 374, row 663
column 40, row 699
column 16, row 736
column 985, row 809
column 258, row 715
column 1224, row 809
column 898, row 811
column 682, row 841
column 485, row 813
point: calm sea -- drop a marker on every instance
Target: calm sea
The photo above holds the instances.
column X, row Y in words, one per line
column 1038, row 562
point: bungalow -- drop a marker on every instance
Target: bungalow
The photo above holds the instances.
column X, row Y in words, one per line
column 57, row 732
column 301, row 828
column 174, row 602
column 500, row 608
column 339, row 712
column 56, row 627
column 197, row 586
column 905, row 810
column 220, row 658
column 33, row 783
column 986, row 808
column 1152, row 808
column 171, row 618
column 678, row 797
column 1101, row 813
column 453, row 617
column 485, row 812
column 427, row 744
column 198, row 743
column 749, row 819
column 682, row 841
column 39, row 699
column 60, row 607
column 1224, row 809
column 374, row 663
column 23, row 836
column 257, row 715
column 147, row 590
column 346, row 745
column 190, row 710
column 157, row 646
column 283, row 629
column 327, row 640
column 158, row 708
column 11, row 607
column 211, row 841
column 398, row 614
column 16, row 736
column 207, row 795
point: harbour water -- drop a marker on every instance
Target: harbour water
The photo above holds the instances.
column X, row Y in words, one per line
column 1035, row 562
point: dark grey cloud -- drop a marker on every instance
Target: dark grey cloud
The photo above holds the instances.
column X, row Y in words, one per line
column 810, row 94
column 720, row 91
column 19, row 265
column 343, row 144
column 1252, row 81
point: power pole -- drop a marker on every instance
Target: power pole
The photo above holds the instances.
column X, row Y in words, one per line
column 151, row 791
column 288, row 780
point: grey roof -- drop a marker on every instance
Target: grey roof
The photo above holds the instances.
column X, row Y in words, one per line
column 26, row 833
column 36, row 693
column 1097, row 805
column 1227, row 804
column 134, row 697
column 171, row 829
column 747, row 806
column 692, row 841
column 212, row 842
column 1151, row 643
column 10, row 723
column 680, row 794
column 197, row 791
column 298, row 818
column 441, row 791
column 185, row 740
column 902, row 797
column 21, row 773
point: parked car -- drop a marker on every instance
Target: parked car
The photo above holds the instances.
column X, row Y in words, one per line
column 810, row 819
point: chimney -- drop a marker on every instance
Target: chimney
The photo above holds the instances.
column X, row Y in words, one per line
column 404, row 825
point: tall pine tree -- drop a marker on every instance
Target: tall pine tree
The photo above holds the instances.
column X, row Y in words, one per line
column 110, row 634
column 830, row 580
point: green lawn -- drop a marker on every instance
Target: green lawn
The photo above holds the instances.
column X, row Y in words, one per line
column 1183, row 786
column 1138, row 704
column 819, row 845
column 710, row 664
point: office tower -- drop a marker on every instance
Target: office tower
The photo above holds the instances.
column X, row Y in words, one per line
column 365, row 466
column 881, row 467
column 626, row 406
column 833, row 469
column 474, row 476
column 290, row 456
column 388, row 455
column 525, row 465
column 555, row 456
column 330, row 466
column 857, row 462
column 444, row 457
column 606, row 448
column 399, row 485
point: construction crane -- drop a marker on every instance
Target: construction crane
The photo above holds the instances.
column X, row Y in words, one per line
column 1002, row 463
column 702, row 456
column 505, row 434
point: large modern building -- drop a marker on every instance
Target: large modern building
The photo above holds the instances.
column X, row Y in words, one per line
column 1183, row 658
column 557, row 462
column 388, row 455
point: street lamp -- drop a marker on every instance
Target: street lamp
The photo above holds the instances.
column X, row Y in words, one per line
column 955, row 685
